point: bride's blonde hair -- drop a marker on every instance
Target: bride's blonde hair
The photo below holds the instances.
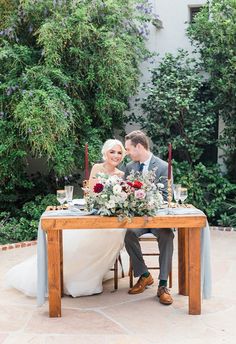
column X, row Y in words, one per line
column 109, row 144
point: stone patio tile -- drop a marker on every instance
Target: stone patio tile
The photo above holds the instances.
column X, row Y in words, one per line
column 91, row 339
column 120, row 318
column 11, row 257
column 21, row 338
column 13, row 318
column 72, row 322
column 108, row 297
column 12, row 296
column 3, row 336
column 142, row 318
column 223, row 320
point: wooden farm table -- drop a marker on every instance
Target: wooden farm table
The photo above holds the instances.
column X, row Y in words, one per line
column 189, row 228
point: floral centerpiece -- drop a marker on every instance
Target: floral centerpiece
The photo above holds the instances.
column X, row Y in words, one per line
column 136, row 196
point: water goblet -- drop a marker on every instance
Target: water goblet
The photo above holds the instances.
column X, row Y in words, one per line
column 177, row 189
column 183, row 194
column 69, row 194
column 61, row 196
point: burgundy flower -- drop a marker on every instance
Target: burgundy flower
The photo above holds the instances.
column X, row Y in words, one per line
column 137, row 184
column 98, row 188
column 130, row 184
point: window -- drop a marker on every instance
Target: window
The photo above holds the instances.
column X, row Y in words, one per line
column 193, row 10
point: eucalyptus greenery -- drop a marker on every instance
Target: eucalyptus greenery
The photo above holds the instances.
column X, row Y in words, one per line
column 213, row 33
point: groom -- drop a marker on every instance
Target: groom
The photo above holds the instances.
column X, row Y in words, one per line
column 137, row 147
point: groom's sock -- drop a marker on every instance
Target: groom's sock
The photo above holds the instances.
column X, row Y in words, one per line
column 162, row 283
column 146, row 274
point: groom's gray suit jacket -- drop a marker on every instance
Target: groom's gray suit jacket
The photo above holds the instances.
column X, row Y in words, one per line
column 161, row 170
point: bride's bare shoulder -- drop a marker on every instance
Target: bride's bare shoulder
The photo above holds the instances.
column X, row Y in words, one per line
column 97, row 168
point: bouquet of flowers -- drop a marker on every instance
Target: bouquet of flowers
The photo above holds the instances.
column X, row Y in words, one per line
column 136, row 196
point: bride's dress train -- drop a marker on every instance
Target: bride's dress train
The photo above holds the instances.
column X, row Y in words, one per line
column 88, row 256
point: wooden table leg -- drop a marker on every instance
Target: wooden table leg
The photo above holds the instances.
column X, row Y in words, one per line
column 54, row 273
column 194, row 271
column 183, row 278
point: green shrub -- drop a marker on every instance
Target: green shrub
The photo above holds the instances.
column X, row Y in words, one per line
column 228, row 216
column 213, row 33
column 67, row 70
column 208, row 190
column 179, row 108
column 24, row 226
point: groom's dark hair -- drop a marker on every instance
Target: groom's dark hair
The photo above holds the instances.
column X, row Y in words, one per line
column 137, row 136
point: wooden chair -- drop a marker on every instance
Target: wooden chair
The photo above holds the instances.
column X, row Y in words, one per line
column 149, row 237
column 116, row 271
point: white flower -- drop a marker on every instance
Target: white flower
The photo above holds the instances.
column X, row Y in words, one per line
column 123, row 195
column 113, row 180
column 110, row 204
column 120, row 198
column 117, row 189
column 160, row 185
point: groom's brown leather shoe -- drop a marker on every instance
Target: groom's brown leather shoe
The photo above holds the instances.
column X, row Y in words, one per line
column 142, row 283
column 164, row 296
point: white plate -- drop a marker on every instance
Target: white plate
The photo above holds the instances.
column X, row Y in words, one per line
column 79, row 201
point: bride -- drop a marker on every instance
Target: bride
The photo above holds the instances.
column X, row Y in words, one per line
column 88, row 254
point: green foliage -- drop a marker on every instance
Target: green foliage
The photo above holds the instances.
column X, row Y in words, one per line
column 228, row 216
column 208, row 190
column 67, row 69
column 214, row 35
column 23, row 227
column 179, row 108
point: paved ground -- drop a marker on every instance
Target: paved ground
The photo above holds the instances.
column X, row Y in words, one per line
column 119, row 318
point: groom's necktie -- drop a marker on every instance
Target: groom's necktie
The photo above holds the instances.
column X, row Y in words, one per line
column 141, row 166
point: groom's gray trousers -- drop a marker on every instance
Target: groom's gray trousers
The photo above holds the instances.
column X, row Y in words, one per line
column 164, row 237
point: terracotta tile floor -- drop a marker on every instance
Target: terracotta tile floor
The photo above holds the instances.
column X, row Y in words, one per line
column 119, row 318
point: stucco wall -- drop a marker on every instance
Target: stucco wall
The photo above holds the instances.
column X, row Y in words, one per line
column 175, row 16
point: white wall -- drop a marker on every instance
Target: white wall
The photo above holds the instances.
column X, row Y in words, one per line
column 175, row 16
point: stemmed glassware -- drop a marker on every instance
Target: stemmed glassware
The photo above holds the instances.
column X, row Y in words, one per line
column 61, row 196
column 69, row 194
column 177, row 189
column 183, row 194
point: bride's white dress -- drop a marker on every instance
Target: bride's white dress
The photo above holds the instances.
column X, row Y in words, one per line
column 88, row 256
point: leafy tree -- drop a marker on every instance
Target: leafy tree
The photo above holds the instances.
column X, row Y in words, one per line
column 213, row 33
column 178, row 108
column 67, row 69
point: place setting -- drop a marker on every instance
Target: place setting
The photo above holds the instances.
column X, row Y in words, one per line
column 68, row 205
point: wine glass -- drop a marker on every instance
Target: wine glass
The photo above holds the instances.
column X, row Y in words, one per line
column 69, row 194
column 183, row 194
column 177, row 189
column 61, row 196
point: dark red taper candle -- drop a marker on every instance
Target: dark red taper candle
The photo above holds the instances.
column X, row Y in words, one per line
column 86, row 163
column 169, row 160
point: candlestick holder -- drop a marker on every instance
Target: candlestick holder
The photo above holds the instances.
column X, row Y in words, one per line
column 85, row 187
column 169, row 190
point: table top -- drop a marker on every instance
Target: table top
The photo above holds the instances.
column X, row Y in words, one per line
column 105, row 222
